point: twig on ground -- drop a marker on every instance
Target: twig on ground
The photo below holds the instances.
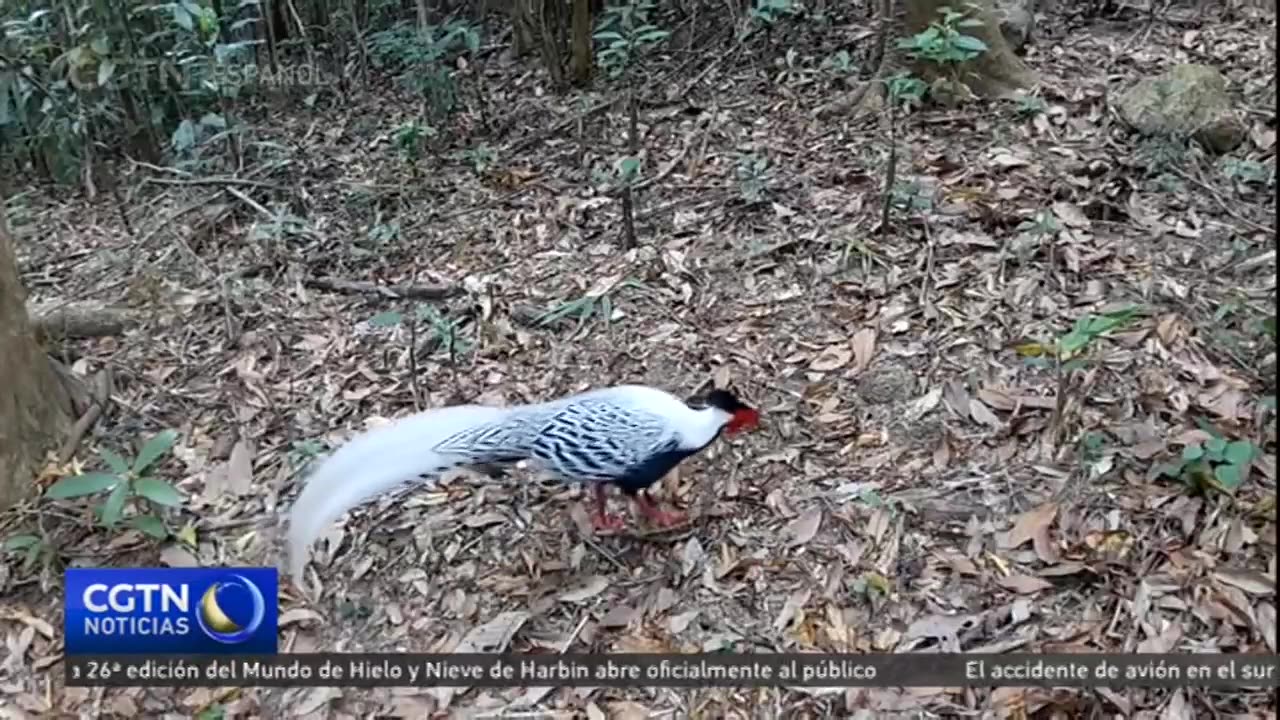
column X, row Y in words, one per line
column 393, row 292
column 558, row 128
column 217, row 181
column 1217, row 196
column 251, row 203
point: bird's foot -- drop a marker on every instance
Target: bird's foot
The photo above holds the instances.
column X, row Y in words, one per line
column 608, row 522
column 667, row 518
column 658, row 516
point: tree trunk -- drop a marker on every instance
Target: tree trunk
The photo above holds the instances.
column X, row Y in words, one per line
column 997, row 72
column 582, row 42
column 32, row 420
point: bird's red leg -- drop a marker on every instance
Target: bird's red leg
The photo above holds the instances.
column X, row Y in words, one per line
column 603, row 520
column 659, row 516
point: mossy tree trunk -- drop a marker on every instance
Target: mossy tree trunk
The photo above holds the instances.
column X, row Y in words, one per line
column 32, row 420
column 998, row 72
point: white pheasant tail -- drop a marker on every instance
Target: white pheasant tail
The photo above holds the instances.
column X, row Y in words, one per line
column 628, row 435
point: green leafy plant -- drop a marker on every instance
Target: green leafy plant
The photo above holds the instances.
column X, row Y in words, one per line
column 942, row 42
column 911, row 196
column 283, row 224
column 1249, row 172
column 32, row 548
column 769, row 12
column 584, row 308
column 1159, row 154
column 1067, row 354
column 410, row 138
column 1030, row 105
column 1043, row 224
column 302, row 452
column 752, row 172
column 423, row 57
column 1215, row 464
column 840, row 64
column 624, row 33
column 906, row 89
column 444, row 333
column 125, row 483
column 627, row 170
column 481, row 157
column 215, row 711
column 1069, row 348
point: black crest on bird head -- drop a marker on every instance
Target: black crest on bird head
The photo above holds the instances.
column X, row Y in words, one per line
column 725, row 400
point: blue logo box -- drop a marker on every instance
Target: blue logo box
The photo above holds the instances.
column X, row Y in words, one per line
column 154, row 611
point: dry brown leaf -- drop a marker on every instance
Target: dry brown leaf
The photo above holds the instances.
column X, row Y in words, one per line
column 1024, row 584
column 581, row 520
column 878, row 524
column 484, row 519
column 124, row 705
column 492, row 637
column 299, row 615
column 1028, row 524
column 588, row 589
column 677, row 624
column 1266, row 617
column 1071, row 215
column 982, row 414
column 408, row 706
column 31, row 621
column 804, row 528
column 240, row 468
column 833, row 358
column 1008, row 161
column 315, row 699
column 1044, row 546
column 997, row 398
column 1178, row 708
column 175, row 555
column 957, row 398
column 691, row 557
column 792, row 607
column 1163, row 642
column 864, row 348
column 618, row 616
column 722, row 377
column 627, row 710
column 1251, row 581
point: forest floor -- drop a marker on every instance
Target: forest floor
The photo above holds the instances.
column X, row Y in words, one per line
column 914, row 486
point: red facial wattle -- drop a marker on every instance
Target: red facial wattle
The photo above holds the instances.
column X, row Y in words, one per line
column 743, row 419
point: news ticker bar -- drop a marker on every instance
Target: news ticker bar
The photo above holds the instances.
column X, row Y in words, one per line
column 693, row 670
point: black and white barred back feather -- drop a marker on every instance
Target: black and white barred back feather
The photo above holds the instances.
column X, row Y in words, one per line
column 628, row 435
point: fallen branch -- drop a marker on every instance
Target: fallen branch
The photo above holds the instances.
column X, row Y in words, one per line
column 217, row 181
column 79, row 320
column 400, row 290
column 1266, row 258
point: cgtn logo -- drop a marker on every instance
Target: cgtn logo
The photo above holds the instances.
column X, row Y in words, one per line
column 171, row 610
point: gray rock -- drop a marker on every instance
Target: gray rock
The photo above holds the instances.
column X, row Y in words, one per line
column 1186, row 101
